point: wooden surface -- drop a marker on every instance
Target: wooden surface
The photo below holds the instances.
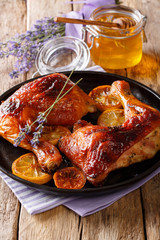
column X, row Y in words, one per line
column 135, row 216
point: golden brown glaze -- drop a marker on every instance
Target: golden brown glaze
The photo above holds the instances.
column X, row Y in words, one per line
column 98, row 150
column 38, row 95
column 34, row 97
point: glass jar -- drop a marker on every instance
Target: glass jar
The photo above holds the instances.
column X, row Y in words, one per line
column 62, row 54
column 115, row 48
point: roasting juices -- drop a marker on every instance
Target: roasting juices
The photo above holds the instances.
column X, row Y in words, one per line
column 116, row 47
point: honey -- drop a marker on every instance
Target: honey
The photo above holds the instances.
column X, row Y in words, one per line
column 116, row 48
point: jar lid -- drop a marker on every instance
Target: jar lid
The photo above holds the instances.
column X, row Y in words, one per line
column 62, row 54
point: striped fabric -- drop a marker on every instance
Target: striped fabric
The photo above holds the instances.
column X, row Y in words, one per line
column 33, row 200
column 37, row 202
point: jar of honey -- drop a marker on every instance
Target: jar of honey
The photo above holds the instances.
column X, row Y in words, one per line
column 116, row 47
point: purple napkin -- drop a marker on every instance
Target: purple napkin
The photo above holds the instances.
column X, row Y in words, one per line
column 88, row 205
column 75, row 30
column 36, row 202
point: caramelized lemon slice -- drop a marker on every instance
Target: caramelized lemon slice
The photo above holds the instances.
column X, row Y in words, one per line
column 28, row 168
column 111, row 118
column 69, row 178
column 103, row 98
column 53, row 133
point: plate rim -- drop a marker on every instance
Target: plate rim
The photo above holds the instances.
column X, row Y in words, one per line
column 103, row 189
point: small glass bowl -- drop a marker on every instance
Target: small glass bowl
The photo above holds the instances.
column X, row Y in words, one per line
column 62, row 54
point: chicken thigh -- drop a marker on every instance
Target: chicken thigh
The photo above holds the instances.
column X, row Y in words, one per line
column 99, row 150
column 35, row 97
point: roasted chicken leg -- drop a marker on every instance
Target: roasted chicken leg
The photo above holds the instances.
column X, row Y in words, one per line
column 99, row 150
column 34, row 97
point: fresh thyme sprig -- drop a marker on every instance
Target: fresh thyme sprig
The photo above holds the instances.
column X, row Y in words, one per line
column 42, row 118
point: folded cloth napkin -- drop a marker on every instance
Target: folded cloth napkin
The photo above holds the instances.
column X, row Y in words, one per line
column 36, row 202
column 85, row 206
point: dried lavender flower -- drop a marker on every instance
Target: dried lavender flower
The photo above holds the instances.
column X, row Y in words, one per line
column 18, row 140
column 26, row 45
column 35, row 139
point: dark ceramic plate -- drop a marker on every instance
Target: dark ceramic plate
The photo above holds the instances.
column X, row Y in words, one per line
column 117, row 179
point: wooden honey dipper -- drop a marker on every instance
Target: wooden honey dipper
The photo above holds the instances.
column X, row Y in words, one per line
column 116, row 23
column 124, row 22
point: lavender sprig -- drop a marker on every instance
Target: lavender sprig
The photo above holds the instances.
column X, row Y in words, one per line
column 22, row 134
column 18, row 140
column 25, row 46
column 42, row 118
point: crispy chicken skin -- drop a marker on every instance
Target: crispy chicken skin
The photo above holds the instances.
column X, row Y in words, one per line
column 34, row 97
column 99, row 150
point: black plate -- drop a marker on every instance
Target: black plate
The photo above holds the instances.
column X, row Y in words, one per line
column 117, row 179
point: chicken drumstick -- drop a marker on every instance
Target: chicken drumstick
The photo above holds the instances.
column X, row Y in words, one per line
column 99, row 150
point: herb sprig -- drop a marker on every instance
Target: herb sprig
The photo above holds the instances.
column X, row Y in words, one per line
column 42, row 118
column 26, row 45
